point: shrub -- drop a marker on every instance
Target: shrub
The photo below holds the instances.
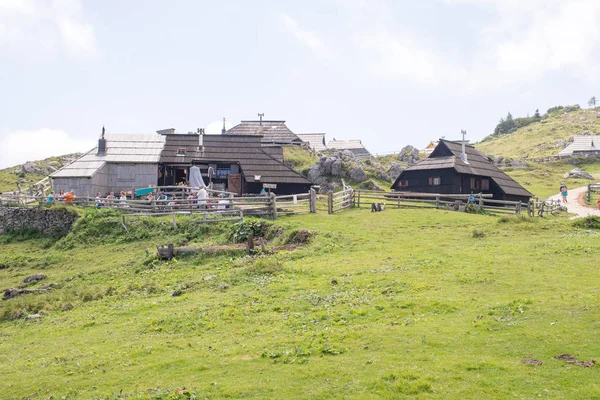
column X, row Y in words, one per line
column 590, row 222
column 239, row 231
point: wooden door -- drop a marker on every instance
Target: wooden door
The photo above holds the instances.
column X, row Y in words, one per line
column 234, row 183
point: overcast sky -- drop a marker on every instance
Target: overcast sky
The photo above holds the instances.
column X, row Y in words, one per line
column 388, row 72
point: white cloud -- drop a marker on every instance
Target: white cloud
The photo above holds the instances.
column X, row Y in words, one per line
column 531, row 39
column 28, row 26
column 214, row 127
column 17, row 147
column 309, row 39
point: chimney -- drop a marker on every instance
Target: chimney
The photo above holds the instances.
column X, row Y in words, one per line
column 463, row 155
column 223, row 130
column 102, row 144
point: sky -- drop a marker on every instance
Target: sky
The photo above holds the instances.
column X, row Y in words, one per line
column 388, row 72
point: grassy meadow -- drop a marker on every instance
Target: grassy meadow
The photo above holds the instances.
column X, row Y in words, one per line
column 403, row 303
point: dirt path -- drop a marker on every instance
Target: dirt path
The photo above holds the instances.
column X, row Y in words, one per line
column 576, row 204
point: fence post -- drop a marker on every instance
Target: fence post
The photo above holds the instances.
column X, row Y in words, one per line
column 589, row 193
column 174, row 221
column 358, row 200
column 330, row 202
column 313, row 200
column 437, row 201
column 273, row 206
column 518, row 207
column 123, row 223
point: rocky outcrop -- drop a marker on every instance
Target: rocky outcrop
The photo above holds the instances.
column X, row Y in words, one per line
column 394, row 171
column 357, row 174
column 409, row 154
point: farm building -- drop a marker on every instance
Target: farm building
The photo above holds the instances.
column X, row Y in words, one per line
column 272, row 132
column 456, row 168
column 315, row 141
column 429, row 148
column 355, row 146
column 582, row 146
column 236, row 163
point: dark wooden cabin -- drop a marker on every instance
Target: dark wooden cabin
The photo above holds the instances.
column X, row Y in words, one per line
column 240, row 163
column 447, row 171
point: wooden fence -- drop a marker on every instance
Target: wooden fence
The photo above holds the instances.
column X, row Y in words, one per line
column 264, row 205
column 539, row 207
column 593, row 188
column 340, row 200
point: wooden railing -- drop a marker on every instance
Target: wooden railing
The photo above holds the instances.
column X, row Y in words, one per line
column 340, row 200
column 593, row 188
column 259, row 205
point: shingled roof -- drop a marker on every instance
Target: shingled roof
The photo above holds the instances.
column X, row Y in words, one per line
column 247, row 150
column 581, row 145
column 447, row 154
column 315, row 140
column 271, row 131
column 355, row 146
column 120, row 148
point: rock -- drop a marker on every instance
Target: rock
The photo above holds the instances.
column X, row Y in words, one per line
column 33, row 278
column 334, row 281
column 571, row 139
column 409, row 152
column 326, row 170
column 208, row 278
column 176, row 293
column 336, row 168
column 357, row 175
column 315, row 174
column 518, row 164
column 31, row 168
column 577, row 173
column 33, row 316
column 370, row 185
column 566, row 175
column 348, row 153
column 223, row 286
column 598, row 115
column 394, row 170
column 301, row 237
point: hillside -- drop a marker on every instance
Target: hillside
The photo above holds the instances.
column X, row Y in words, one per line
column 345, row 316
column 544, row 138
column 31, row 172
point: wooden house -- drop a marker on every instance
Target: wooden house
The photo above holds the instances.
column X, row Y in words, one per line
column 120, row 162
column 315, row 141
column 237, row 163
column 457, row 168
column 355, row 146
column 582, row 146
column 429, row 148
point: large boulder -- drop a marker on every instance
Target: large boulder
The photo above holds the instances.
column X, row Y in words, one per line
column 316, row 174
column 348, row 154
column 394, row 170
column 327, row 165
column 336, row 168
column 357, row 175
column 577, row 173
column 409, row 153
column 370, row 185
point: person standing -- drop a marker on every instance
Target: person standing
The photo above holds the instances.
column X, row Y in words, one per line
column 564, row 193
column 51, row 198
column 202, row 196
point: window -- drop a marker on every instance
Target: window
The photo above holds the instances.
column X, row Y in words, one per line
column 403, row 183
column 435, row 181
column 223, row 172
column 181, row 151
column 480, row 184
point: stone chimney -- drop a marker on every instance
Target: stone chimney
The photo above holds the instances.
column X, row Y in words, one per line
column 102, row 144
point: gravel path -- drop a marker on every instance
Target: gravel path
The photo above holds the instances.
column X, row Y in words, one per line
column 576, row 204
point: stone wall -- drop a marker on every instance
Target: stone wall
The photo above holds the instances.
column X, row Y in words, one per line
column 48, row 221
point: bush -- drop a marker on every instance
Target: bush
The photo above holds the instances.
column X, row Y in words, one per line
column 590, row 222
column 239, row 231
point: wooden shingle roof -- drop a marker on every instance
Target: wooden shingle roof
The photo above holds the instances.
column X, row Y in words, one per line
column 315, row 140
column 355, row 146
column 271, row 131
column 447, row 154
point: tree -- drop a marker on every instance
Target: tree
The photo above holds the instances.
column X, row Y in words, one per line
column 537, row 114
column 592, row 102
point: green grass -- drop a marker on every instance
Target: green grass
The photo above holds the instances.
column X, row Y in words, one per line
column 538, row 140
column 298, row 158
column 404, row 303
column 543, row 180
column 9, row 180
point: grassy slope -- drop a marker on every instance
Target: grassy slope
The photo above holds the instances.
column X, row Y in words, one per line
column 524, row 143
column 420, row 308
column 8, row 180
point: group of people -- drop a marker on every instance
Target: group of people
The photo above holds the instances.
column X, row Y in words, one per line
column 62, row 196
column 199, row 199
column 111, row 200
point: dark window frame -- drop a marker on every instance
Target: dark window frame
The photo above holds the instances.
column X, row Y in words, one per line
column 435, row 181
